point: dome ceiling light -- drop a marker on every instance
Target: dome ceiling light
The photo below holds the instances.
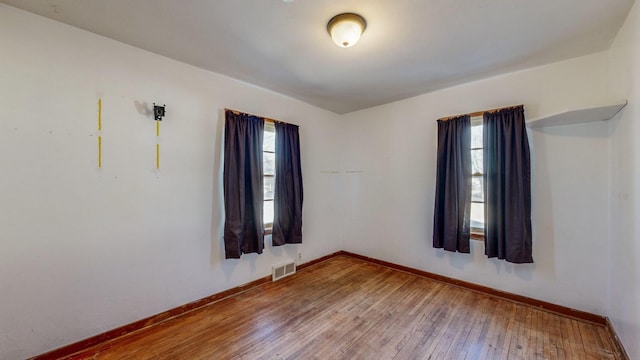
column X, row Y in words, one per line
column 345, row 29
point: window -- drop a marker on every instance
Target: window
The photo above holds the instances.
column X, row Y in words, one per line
column 269, row 166
column 477, row 188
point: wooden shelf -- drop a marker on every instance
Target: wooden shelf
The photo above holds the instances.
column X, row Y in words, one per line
column 598, row 113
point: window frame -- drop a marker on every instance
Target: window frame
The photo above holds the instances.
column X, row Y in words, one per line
column 269, row 127
column 477, row 233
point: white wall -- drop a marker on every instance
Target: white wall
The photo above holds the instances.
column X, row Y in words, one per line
column 86, row 250
column 390, row 168
column 624, row 234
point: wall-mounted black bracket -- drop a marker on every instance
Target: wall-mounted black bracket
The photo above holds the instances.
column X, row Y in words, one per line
column 158, row 112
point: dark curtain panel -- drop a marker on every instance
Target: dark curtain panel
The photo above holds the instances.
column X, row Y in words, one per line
column 287, row 220
column 452, row 221
column 507, row 186
column 243, row 185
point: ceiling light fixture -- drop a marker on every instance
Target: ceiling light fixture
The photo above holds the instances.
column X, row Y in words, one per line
column 345, row 29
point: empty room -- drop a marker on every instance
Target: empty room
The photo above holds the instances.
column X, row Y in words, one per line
column 319, row 179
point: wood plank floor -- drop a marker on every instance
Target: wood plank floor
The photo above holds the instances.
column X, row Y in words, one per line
column 345, row 308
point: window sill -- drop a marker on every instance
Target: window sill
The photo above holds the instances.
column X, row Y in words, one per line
column 477, row 236
column 267, row 231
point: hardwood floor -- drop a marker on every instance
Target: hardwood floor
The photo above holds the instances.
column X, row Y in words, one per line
column 346, row 308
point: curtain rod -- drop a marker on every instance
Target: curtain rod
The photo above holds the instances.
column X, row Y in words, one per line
column 479, row 113
column 265, row 118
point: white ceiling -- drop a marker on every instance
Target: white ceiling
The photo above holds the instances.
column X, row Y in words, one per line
column 409, row 47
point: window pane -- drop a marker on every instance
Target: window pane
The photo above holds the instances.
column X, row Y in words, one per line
column 477, row 193
column 476, row 161
column 269, row 138
column 269, row 163
column 477, row 215
column 268, row 212
column 269, row 187
column 476, row 136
